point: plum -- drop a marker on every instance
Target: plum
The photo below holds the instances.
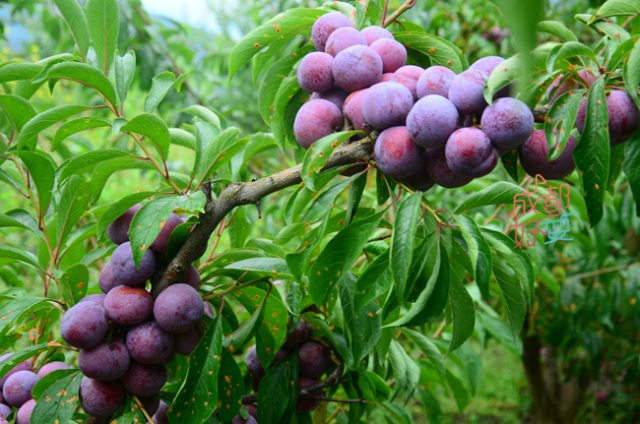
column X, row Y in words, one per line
column 296, row 337
column 392, row 53
column 508, row 122
column 421, row 180
column 314, row 72
column 118, row 230
column 325, row 25
column 5, row 410
column 51, row 367
column 335, row 95
column 148, row 343
column 101, row 398
column 125, row 270
column 24, row 413
column 105, row 361
column 353, row 111
column 466, row 92
column 188, row 341
column 106, row 279
column 161, row 243
column 374, row 33
column 315, row 120
column 253, row 362
column 534, row 155
column 128, row 305
column 435, row 80
column 178, row 308
column 487, row 64
column 408, row 76
column 145, row 379
column 343, row 38
column 432, row 121
column 624, row 118
column 386, row 105
column 439, row 171
column 239, row 420
column 357, row 67
column 396, row 154
column 313, row 359
column 17, row 389
column 97, row 298
column 22, row 366
column 308, row 405
column 470, row 153
column 84, row 325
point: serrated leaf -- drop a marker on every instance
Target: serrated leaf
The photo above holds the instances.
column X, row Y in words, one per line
column 8, row 221
column 18, row 110
column 617, row 8
column 460, row 393
column 403, row 242
column 440, row 51
column 125, row 69
column 263, row 57
column 556, row 28
column 512, row 295
column 74, row 199
column 87, row 75
column 374, row 281
column 429, row 349
column 43, row 176
column 496, row 194
column 593, row 151
column 161, row 86
column 562, row 118
column 198, row 395
column 31, row 129
column 147, row 224
column 103, row 17
column 154, row 128
column 76, row 21
column 613, row 30
column 77, row 125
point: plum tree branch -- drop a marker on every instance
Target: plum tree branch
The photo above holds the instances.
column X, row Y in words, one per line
column 395, row 15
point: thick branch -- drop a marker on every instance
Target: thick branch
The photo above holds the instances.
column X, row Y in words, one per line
column 238, row 194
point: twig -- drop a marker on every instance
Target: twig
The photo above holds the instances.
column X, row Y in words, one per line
column 324, row 399
column 235, row 288
column 333, row 415
column 395, row 15
column 440, row 329
column 602, row 271
column 144, row 411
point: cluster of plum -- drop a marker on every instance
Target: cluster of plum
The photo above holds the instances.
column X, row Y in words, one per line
column 16, row 387
column 124, row 336
column 314, row 360
column 426, row 117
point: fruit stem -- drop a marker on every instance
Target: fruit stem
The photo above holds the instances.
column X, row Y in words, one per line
column 235, row 288
column 395, row 15
column 144, row 411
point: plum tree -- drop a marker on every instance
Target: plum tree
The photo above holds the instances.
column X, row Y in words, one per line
column 486, row 64
column 106, row 279
column 335, row 95
column 51, row 367
column 325, row 25
column 253, row 362
column 396, row 154
column 101, row 398
column 314, row 72
column 125, row 270
column 314, row 120
column 106, row 361
column 466, row 92
column 128, row 305
column 118, row 230
column 296, row 337
column 24, row 413
column 470, row 153
column 313, row 359
column 435, row 80
column 308, row 405
column 145, row 379
column 148, row 343
column 624, row 117
column 534, row 155
column 440, row 172
column 432, row 121
column 357, row 67
column 386, row 105
column 84, row 325
column 178, row 308
column 161, row 243
column 408, row 76
column 392, row 53
column 343, row 38
column 17, row 389
column 508, row 122
column 374, row 33
column 353, row 111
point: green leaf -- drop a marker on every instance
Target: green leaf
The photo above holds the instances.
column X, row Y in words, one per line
column 206, row 114
column 510, row 163
column 125, row 69
column 500, row 330
column 431, row 405
column 274, row 267
column 338, row 257
column 631, row 73
column 77, row 125
column 206, row 132
column 278, row 391
column 480, row 255
column 76, row 21
column 198, row 396
column 161, row 86
column 374, row 281
column 631, row 168
column 239, row 338
column 87, row 75
column 496, row 194
column 43, row 175
column 17, row 71
column 105, row 170
column 512, row 295
column 17, row 309
column 619, row 55
column 147, row 224
column 31, row 129
column 460, row 393
column 318, row 154
column 19, row 255
column 87, row 162
column 562, row 117
column 356, row 188
column 182, row 138
column 463, row 311
column 192, row 202
column 74, row 199
column 46, row 382
column 231, row 387
column 58, row 402
column 558, row 29
column 615, row 165
column 154, row 128
column 617, row 8
column 18, row 110
column 283, row 26
column 613, row 30
column 239, row 229
column 403, row 242
column 103, row 17
column 440, row 51
column 566, row 50
column 429, row 349
column 8, row 221
column 74, row 283
column 219, row 152
column 592, row 152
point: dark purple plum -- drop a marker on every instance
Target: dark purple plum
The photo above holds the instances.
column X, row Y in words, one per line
column 145, row 379
column 192, row 277
column 98, row 298
column 308, row 405
column 466, row 93
column 5, row 410
column 51, row 367
column 439, row 170
column 420, row 180
column 125, row 270
column 392, row 53
column 239, row 420
column 325, row 25
column 22, row 366
column 188, row 341
column 353, row 111
column 84, row 325
column 313, row 359
column 17, row 389
column 396, row 154
column 408, row 76
column 296, row 337
column 534, row 155
column 508, row 122
column 160, row 417
column 435, row 80
column 161, row 243
column 253, row 362
column 569, row 84
column 374, row 33
column 357, row 67
column 315, row 120
column 118, row 230
column 470, row 153
column 314, row 72
column 105, row 361
column 208, row 310
column 148, row 343
column 24, row 413
column 624, row 118
column 386, row 105
column 106, row 279
column 101, row 398
column 252, row 410
column 178, row 308
column 487, row 64
column 150, row 404
column 128, row 305
column 336, row 96
column 432, row 121
column 343, row 38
